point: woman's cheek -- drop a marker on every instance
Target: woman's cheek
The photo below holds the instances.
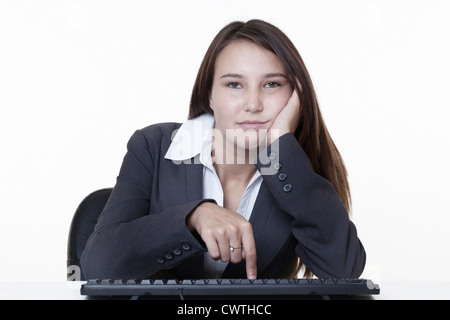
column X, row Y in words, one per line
column 274, row 107
column 277, row 102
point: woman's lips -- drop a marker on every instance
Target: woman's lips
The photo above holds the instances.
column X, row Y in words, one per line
column 251, row 124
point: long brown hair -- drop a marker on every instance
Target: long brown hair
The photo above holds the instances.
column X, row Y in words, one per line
column 311, row 132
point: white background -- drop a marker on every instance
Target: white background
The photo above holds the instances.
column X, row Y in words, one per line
column 77, row 78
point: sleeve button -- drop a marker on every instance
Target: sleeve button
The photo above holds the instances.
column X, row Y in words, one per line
column 168, row 256
column 186, row 246
column 160, row 260
column 282, row 176
column 287, row 187
column 277, row 166
column 176, row 251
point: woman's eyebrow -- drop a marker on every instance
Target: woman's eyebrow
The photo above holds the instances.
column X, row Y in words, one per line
column 232, row 75
column 268, row 75
column 275, row 75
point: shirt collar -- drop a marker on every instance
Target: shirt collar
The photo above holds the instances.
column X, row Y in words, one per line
column 193, row 138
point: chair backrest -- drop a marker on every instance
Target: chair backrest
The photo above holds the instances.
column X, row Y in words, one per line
column 82, row 226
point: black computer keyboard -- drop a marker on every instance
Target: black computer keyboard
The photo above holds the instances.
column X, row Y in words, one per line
column 230, row 287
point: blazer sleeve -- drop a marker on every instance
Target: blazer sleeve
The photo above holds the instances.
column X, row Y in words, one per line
column 327, row 240
column 128, row 240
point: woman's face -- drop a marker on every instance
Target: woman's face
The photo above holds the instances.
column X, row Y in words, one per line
column 250, row 88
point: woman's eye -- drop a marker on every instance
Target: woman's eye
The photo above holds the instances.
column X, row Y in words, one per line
column 272, row 84
column 234, row 85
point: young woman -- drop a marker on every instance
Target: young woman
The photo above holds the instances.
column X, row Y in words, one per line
column 251, row 186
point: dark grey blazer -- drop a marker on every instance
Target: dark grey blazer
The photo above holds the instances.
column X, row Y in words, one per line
column 142, row 229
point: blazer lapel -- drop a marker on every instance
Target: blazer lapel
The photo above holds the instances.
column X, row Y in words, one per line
column 194, row 191
column 194, row 180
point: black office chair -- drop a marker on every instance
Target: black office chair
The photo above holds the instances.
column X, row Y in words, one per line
column 83, row 223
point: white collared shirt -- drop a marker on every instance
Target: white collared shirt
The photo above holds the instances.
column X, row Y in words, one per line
column 194, row 138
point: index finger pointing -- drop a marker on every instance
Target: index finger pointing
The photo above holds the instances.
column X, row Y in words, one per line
column 249, row 254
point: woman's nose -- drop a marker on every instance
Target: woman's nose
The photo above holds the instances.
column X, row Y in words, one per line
column 253, row 101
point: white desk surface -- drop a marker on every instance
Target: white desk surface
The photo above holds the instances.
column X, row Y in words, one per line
column 64, row 290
